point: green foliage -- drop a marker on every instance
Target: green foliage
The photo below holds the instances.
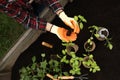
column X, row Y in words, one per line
column 74, row 61
column 10, row 31
column 35, row 71
column 89, row 45
column 108, row 43
column 54, row 65
column 80, row 19
column 67, row 44
column 90, row 63
column 38, row 70
column 94, row 29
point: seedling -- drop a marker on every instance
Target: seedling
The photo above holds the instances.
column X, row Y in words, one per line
column 90, row 63
column 101, row 34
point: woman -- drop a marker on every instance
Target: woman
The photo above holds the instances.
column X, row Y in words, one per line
column 22, row 12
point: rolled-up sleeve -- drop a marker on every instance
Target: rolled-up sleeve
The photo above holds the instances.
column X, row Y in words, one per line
column 22, row 16
column 55, row 5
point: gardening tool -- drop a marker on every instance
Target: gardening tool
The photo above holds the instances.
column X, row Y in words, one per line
column 51, row 77
column 82, row 77
column 47, row 44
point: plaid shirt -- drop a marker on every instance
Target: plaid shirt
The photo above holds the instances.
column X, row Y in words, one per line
column 23, row 12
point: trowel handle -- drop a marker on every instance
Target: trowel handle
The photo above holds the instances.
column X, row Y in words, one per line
column 66, row 77
column 51, row 77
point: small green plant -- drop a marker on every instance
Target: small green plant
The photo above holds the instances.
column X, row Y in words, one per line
column 35, row 71
column 89, row 45
column 95, row 30
column 73, row 60
column 55, row 68
column 75, row 63
column 90, row 63
column 80, row 19
column 38, row 70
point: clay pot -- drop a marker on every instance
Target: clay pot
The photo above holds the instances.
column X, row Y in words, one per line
column 89, row 47
column 86, row 59
column 103, row 33
column 73, row 48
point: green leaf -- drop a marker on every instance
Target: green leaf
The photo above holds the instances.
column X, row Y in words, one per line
column 66, row 61
column 89, row 40
column 82, row 18
column 63, row 59
column 40, row 73
column 81, row 59
column 64, row 44
column 27, row 78
column 72, row 54
column 81, row 25
column 33, row 66
column 76, row 18
column 90, row 69
column 64, row 52
column 110, row 46
column 63, row 41
column 23, row 70
column 28, row 68
column 97, row 35
column 84, row 55
column 94, row 70
column 35, row 79
column 43, row 54
column 66, row 73
column 91, row 43
column 72, row 72
column 94, row 27
column 58, row 56
column 78, row 72
column 43, row 64
column 55, row 76
column 33, row 59
column 70, row 44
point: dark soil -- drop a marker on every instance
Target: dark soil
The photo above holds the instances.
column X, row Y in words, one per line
column 104, row 33
column 97, row 12
column 88, row 46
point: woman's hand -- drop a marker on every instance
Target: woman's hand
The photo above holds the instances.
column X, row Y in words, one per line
column 62, row 34
column 69, row 22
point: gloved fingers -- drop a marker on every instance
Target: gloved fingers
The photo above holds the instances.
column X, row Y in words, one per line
column 72, row 37
column 68, row 23
column 63, row 35
column 75, row 25
column 72, row 24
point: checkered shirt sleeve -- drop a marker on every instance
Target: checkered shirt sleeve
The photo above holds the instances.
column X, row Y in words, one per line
column 54, row 4
column 16, row 11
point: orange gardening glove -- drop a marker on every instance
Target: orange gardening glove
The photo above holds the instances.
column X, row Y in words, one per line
column 62, row 34
column 69, row 22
